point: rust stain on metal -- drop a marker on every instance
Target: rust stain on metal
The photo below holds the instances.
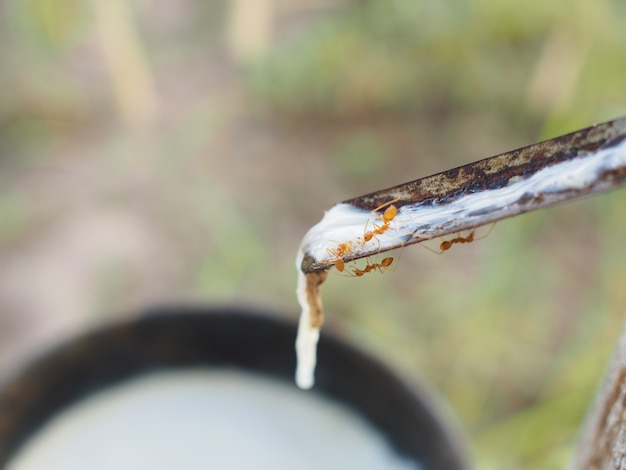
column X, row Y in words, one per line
column 614, row 177
column 498, row 171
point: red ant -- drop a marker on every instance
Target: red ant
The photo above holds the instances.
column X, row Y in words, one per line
column 445, row 245
column 337, row 254
column 382, row 267
column 387, row 216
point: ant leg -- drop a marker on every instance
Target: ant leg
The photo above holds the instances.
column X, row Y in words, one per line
column 388, row 203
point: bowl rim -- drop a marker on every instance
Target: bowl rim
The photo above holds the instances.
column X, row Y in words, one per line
column 174, row 337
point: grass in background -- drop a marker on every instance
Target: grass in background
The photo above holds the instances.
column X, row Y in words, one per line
column 560, row 60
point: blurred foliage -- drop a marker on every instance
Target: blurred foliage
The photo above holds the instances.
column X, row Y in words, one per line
column 408, row 56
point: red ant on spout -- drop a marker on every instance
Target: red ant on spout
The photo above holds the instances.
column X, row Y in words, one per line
column 387, row 216
column 337, row 254
column 382, row 267
column 445, row 245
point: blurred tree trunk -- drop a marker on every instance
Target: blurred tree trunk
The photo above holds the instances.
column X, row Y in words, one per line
column 250, row 29
column 603, row 441
column 127, row 63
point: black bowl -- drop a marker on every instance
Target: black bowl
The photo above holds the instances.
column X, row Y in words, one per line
column 179, row 338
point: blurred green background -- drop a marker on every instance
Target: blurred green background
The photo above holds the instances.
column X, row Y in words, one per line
column 156, row 151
